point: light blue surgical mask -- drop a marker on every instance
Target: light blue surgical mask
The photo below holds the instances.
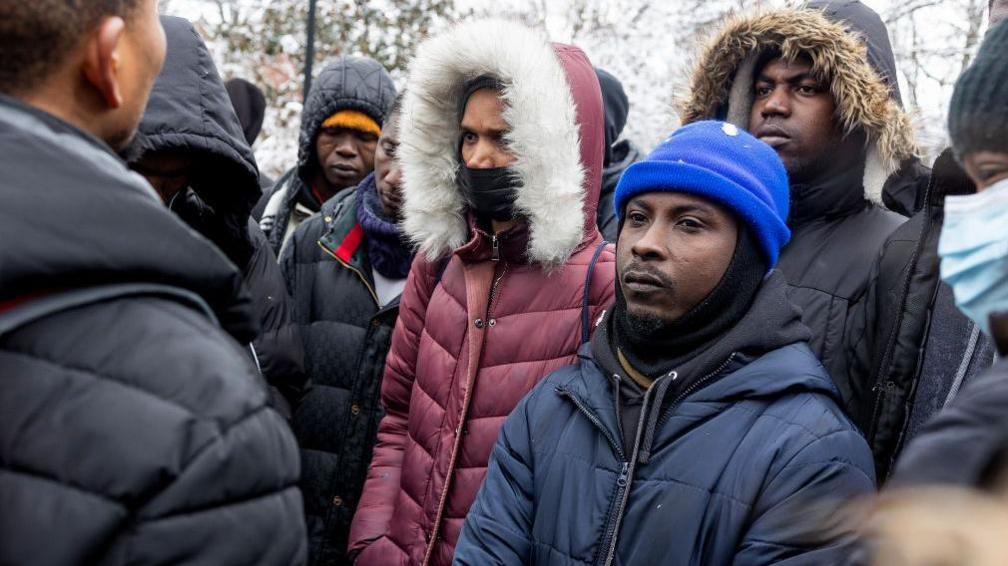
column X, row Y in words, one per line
column 974, row 252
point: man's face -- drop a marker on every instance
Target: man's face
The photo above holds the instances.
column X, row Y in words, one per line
column 169, row 172
column 795, row 114
column 345, row 155
column 483, row 130
column 986, row 168
column 388, row 173
column 141, row 53
column 672, row 251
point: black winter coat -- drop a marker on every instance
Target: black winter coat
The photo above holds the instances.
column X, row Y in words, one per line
column 910, row 346
column 132, row 431
column 189, row 111
column 350, row 83
column 346, row 336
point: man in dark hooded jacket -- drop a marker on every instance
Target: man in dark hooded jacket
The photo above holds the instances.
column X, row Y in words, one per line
column 619, row 154
column 866, row 282
column 340, row 125
column 346, row 268
column 134, row 428
column 250, row 105
column 697, row 426
column 190, row 147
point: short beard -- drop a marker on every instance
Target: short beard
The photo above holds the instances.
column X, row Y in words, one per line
column 644, row 326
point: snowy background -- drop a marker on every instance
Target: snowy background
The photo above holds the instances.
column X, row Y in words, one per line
column 648, row 45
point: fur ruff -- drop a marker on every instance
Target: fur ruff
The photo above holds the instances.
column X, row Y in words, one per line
column 540, row 109
column 724, row 73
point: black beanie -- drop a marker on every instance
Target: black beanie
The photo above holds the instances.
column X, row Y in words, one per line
column 978, row 113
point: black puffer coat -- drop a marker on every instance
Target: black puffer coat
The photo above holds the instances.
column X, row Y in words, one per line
column 189, row 111
column 349, row 83
column 913, row 347
column 347, row 336
column 132, row 431
column 851, row 260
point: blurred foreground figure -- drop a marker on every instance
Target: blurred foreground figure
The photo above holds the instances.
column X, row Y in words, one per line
column 936, row 526
column 134, row 428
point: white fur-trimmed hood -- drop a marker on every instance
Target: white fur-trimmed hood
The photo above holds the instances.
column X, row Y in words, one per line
column 546, row 136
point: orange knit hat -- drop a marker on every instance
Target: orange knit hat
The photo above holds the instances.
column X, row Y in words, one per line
column 353, row 120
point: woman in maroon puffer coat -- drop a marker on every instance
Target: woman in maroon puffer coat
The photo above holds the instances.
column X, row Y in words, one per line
column 484, row 315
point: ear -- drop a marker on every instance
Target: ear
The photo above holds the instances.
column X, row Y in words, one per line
column 102, row 60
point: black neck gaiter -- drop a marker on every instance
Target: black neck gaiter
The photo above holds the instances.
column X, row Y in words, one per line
column 491, row 192
column 656, row 351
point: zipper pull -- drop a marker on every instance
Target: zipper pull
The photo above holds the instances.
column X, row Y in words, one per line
column 495, row 248
column 624, row 474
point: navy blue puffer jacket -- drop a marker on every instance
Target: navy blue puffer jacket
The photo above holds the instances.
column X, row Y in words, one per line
column 728, row 474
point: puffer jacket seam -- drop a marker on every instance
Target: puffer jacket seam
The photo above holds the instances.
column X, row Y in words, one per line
column 543, row 311
column 812, row 434
column 106, row 377
column 801, row 450
column 823, row 291
column 278, row 491
column 223, row 430
column 41, row 475
column 439, row 344
column 519, row 362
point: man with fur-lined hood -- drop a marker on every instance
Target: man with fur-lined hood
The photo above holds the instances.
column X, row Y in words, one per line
column 818, row 84
column 501, row 148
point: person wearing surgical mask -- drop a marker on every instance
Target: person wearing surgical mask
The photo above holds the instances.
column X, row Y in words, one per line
column 945, row 502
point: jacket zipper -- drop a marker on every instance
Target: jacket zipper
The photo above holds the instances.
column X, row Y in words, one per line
column 625, row 478
column 436, row 528
column 494, row 248
column 363, row 279
column 594, row 420
column 623, row 481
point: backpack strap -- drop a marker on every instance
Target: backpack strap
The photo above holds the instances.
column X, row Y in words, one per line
column 585, row 314
column 36, row 309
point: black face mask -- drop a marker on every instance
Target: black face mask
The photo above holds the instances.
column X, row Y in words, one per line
column 491, row 192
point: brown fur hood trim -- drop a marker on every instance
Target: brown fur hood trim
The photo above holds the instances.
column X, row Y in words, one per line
column 721, row 82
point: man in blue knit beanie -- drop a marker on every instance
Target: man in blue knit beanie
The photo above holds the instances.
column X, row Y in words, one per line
column 697, row 424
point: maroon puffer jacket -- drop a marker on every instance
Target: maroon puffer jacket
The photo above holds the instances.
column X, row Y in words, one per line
column 470, row 345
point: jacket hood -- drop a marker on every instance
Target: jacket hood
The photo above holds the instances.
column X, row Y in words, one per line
column 79, row 217
column 189, row 110
column 249, row 104
column 349, row 83
column 617, row 107
column 554, row 108
column 721, row 83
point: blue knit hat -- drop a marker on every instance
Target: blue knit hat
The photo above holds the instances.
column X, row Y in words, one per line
column 718, row 161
